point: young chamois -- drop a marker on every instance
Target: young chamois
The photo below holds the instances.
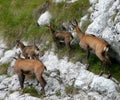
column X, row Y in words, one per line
column 25, row 67
column 93, row 44
column 28, row 51
column 61, row 37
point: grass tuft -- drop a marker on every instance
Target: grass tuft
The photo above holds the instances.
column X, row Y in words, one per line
column 58, row 93
column 3, row 68
column 32, row 91
column 71, row 90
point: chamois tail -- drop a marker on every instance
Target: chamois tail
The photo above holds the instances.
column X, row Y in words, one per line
column 106, row 48
column 15, row 58
column 106, row 54
column 45, row 68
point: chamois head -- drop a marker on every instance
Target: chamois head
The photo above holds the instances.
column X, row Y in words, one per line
column 75, row 25
column 19, row 44
column 17, row 56
column 51, row 29
column 48, row 25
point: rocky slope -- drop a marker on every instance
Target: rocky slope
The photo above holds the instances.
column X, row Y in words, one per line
column 105, row 19
column 66, row 80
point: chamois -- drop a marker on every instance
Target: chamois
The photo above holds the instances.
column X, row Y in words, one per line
column 61, row 37
column 24, row 67
column 91, row 43
column 28, row 51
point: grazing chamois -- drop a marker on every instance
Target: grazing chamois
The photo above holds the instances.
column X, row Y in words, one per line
column 61, row 37
column 24, row 67
column 28, row 51
column 91, row 43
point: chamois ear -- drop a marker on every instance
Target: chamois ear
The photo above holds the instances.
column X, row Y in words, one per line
column 74, row 22
column 48, row 25
column 17, row 41
column 15, row 58
column 18, row 54
column 71, row 22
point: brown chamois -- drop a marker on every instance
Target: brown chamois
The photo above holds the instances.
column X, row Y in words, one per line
column 93, row 44
column 28, row 51
column 25, row 67
column 61, row 37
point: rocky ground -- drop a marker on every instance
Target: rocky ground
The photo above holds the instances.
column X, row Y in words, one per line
column 60, row 76
column 67, row 80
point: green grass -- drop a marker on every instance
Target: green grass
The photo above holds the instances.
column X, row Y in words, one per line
column 32, row 91
column 95, row 63
column 18, row 18
column 58, row 93
column 18, row 21
column 85, row 25
column 77, row 54
column 65, row 11
column 95, row 66
column 3, row 68
column 71, row 89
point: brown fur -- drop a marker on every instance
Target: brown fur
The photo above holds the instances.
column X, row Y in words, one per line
column 61, row 37
column 25, row 67
column 93, row 44
column 28, row 51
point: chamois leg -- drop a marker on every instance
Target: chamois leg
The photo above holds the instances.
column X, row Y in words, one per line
column 57, row 44
column 67, row 44
column 100, row 56
column 102, row 68
column 35, row 56
column 109, row 71
column 21, row 78
column 41, row 81
column 108, row 63
column 68, row 49
column 26, row 56
column 87, row 57
column 109, row 68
